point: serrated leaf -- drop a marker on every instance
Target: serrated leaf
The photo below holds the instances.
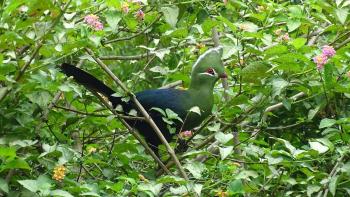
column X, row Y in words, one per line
column 223, row 138
column 195, row 168
column 278, row 85
column 342, row 14
column 170, row 14
column 113, row 18
column 254, row 72
column 224, row 152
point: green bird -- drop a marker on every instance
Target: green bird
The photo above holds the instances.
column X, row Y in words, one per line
column 206, row 71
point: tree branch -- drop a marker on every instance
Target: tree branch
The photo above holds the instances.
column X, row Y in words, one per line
column 135, row 35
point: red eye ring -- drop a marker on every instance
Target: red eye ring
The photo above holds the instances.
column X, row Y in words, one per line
column 210, row 71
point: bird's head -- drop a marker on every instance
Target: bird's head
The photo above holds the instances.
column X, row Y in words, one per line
column 208, row 69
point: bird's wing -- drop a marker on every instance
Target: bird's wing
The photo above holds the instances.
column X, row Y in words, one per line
column 173, row 99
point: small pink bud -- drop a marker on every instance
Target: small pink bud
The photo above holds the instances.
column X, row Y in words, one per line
column 328, row 51
column 140, row 15
column 225, row 2
column 285, row 37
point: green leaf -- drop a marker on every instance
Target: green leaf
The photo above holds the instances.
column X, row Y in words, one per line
column 171, row 179
column 293, row 25
column 333, row 184
column 227, row 22
column 160, row 54
column 4, row 186
column 236, row 187
column 196, row 110
column 312, row 189
column 172, row 115
column 326, row 142
column 287, row 144
column 159, row 69
column 159, row 110
column 275, row 50
column 342, row 14
column 299, row 42
column 7, row 152
column 246, row 174
column 317, row 146
column 170, row 15
column 278, row 85
column 16, row 164
column 222, row 137
column 224, row 152
column 254, row 72
column 42, row 98
column 113, row 18
column 195, row 168
column 326, row 123
column 30, row 185
column 61, row 193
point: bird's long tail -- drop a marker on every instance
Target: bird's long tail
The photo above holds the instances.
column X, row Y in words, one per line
column 87, row 80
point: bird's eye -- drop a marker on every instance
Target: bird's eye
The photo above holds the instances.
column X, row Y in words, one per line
column 210, row 71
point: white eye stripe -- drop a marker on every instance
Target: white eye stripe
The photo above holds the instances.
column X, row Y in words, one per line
column 205, row 73
column 212, row 70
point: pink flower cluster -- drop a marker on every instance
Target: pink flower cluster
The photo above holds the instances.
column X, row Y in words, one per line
column 321, row 59
column 93, row 21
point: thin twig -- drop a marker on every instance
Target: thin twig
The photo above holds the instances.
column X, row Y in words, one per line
column 135, row 35
column 130, row 57
column 98, row 115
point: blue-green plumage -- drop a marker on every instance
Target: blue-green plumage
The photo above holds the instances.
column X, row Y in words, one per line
column 206, row 71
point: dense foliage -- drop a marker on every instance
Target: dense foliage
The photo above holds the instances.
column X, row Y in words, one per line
column 283, row 129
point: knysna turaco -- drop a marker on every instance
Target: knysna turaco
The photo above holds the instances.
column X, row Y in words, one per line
column 205, row 73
